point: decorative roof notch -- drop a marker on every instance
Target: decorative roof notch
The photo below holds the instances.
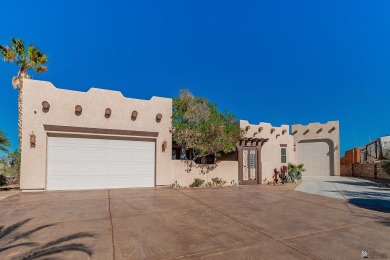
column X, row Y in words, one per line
column 107, row 112
column 158, row 117
column 134, row 115
column 332, row 129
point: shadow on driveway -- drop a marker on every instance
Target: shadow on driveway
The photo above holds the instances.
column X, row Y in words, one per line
column 12, row 237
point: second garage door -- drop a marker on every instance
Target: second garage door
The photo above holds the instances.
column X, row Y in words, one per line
column 315, row 155
column 88, row 163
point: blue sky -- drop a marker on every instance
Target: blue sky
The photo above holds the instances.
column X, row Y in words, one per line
column 283, row 62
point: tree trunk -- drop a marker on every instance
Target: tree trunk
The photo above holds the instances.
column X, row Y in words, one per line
column 23, row 75
column 20, row 114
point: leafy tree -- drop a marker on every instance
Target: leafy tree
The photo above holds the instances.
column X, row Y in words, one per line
column 197, row 125
column 4, row 142
column 10, row 164
column 25, row 59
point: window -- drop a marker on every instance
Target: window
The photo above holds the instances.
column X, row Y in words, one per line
column 284, row 155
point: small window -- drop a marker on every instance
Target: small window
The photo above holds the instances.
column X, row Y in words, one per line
column 284, row 155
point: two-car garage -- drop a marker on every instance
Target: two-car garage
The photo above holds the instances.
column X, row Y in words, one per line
column 99, row 163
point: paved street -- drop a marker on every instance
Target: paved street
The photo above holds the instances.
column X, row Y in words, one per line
column 252, row 222
column 362, row 192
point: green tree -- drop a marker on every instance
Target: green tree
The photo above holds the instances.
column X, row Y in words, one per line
column 198, row 125
column 4, row 142
column 11, row 164
column 26, row 59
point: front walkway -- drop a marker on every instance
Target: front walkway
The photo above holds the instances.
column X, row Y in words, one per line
column 356, row 191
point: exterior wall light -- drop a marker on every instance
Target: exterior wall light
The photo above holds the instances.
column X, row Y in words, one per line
column 332, row 129
column 307, row 131
column 277, row 136
column 33, row 140
column 164, row 145
column 296, row 131
column 272, row 130
column 319, row 130
column 260, row 129
column 284, row 131
column 336, row 147
column 247, row 128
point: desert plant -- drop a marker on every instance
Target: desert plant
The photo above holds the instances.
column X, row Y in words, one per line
column 218, row 182
column 26, row 59
column 175, row 185
column 197, row 183
column 233, row 183
column 295, row 171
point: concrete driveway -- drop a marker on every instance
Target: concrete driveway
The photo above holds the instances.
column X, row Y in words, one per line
column 362, row 192
column 252, row 222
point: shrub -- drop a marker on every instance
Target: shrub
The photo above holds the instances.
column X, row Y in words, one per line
column 197, row 183
column 175, row 185
column 3, row 180
column 295, row 171
column 386, row 166
column 218, row 182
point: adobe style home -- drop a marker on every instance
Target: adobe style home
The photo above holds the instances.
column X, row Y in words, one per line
column 100, row 139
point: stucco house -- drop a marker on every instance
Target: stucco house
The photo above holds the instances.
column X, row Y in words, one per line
column 100, row 139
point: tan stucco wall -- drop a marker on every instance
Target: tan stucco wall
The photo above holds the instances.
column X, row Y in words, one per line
column 94, row 102
column 318, row 131
column 227, row 170
column 271, row 150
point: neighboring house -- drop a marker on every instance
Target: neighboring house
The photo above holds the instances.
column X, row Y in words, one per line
column 99, row 139
column 351, row 156
column 376, row 150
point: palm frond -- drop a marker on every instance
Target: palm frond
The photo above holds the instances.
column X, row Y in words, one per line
column 16, row 82
column 18, row 46
column 7, row 53
column 36, row 56
column 4, row 141
column 40, row 69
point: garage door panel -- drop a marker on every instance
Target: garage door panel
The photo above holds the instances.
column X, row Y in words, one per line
column 99, row 163
column 315, row 157
column 62, row 155
column 91, row 155
column 143, row 157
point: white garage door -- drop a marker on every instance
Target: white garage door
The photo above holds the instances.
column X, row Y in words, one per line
column 315, row 157
column 85, row 163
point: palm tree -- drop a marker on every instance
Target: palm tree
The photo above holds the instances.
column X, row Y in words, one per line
column 4, row 142
column 26, row 59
